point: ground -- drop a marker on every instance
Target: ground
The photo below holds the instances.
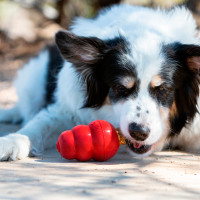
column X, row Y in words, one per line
column 165, row 175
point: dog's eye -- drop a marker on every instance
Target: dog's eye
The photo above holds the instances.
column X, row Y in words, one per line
column 163, row 88
column 163, row 94
column 120, row 90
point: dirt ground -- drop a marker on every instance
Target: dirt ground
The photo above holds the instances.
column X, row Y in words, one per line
column 166, row 175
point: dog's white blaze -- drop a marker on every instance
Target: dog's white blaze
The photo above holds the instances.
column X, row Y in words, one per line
column 150, row 116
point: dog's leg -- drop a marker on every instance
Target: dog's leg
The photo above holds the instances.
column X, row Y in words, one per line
column 40, row 133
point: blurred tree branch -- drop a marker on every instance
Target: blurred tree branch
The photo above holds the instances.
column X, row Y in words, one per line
column 61, row 14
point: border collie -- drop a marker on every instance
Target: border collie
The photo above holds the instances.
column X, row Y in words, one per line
column 136, row 67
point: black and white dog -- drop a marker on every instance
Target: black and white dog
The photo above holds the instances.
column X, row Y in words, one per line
column 132, row 66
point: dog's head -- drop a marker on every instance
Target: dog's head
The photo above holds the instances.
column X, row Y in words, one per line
column 153, row 88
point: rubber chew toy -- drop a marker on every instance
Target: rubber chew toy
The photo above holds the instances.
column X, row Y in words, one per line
column 98, row 140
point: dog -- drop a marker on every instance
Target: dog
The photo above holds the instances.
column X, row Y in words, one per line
column 136, row 67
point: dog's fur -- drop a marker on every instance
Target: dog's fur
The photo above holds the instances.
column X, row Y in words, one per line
column 132, row 66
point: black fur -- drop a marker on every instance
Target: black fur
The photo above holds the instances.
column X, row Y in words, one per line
column 99, row 63
column 54, row 66
column 116, row 67
column 185, row 83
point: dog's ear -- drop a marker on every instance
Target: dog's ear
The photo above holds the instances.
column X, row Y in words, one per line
column 86, row 55
column 80, row 50
column 187, row 59
column 190, row 56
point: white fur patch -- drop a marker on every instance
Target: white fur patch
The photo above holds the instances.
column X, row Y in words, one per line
column 30, row 86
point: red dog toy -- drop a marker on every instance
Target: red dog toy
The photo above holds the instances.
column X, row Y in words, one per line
column 98, row 140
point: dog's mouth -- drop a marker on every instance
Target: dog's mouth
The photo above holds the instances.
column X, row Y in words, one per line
column 138, row 148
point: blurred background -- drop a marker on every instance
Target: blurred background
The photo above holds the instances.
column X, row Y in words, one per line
column 26, row 26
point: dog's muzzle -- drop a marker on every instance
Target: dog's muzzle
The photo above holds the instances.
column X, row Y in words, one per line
column 138, row 132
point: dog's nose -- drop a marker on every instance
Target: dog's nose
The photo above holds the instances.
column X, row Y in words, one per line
column 138, row 132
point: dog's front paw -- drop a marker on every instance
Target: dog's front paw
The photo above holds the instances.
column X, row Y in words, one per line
column 14, row 147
